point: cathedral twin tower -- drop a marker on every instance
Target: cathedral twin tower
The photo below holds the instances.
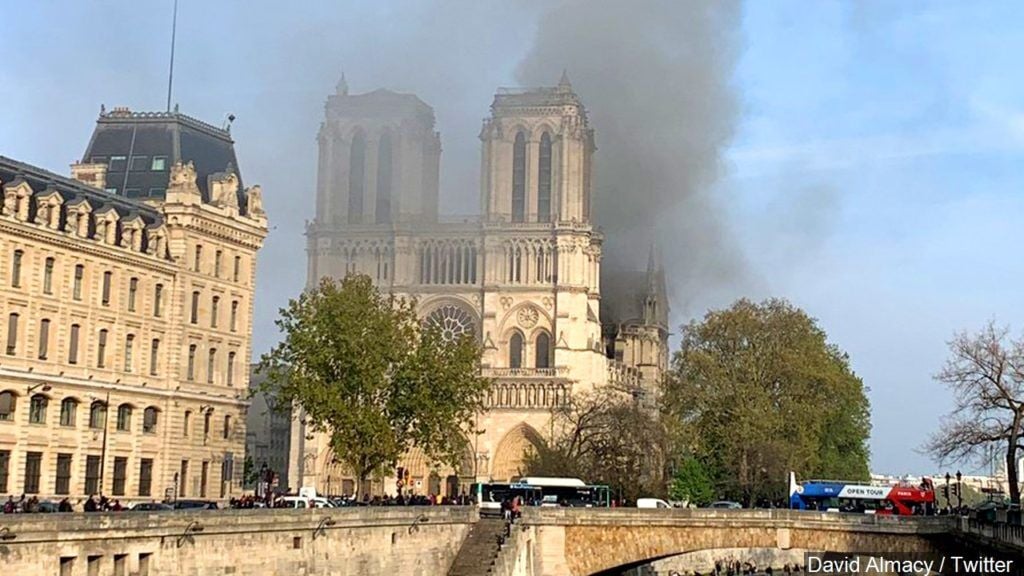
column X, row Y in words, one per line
column 524, row 278
column 380, row 157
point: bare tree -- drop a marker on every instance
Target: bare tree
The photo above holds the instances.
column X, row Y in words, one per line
column 985, row 372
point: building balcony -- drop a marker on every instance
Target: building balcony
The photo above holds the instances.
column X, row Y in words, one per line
column 531, row 373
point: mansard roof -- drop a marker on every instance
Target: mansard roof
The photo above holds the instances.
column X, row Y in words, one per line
column 74, row 192
column 171, row 135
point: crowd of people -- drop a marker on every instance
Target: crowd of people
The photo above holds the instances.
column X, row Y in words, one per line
column 32, row 504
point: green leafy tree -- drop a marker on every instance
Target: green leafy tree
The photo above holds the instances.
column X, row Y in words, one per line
column 756, row 390
column 605, row 437
column 692, row 483
column 366, row 372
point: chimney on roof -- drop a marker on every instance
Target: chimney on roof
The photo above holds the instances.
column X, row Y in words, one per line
column 94, row 175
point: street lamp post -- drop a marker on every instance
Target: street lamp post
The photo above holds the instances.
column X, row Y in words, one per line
column 949, row 499
column 103, row 450
column 959, row 491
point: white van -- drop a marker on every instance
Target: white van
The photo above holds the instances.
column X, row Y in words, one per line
column 652, row 503
column 304, row 502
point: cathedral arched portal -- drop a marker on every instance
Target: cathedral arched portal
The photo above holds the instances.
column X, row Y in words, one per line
column 510, row 456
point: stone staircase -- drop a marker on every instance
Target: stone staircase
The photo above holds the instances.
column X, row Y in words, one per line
column 477, row 554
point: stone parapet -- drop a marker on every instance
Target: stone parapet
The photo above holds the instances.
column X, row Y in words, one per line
column 355, row 541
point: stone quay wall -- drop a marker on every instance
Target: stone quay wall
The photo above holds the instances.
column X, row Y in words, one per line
column 411, row 541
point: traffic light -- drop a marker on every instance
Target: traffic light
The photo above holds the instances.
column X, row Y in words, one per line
column 945, row 493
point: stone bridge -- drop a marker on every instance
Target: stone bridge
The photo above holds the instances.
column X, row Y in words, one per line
column 424, row 541
column 584, row 542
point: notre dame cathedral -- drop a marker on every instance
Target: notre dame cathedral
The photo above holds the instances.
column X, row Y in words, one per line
column 524, row 277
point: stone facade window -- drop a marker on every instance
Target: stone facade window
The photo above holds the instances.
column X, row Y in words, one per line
column 231, row 369
column 515, row 350
column 101, row 349
column 544, row 179
column 542, row 350
column 234, row 316
column 214, row 311
column 129, row 350
column 107, row 280
column 97, row 415
column 519, row 178
column 238, row 268
column 68, row 410
column 37, row 409
column 218, row 258
column 149, row 419
column 12, row 334
column 384, row 171
column 211, row 366
column 62, row 483
column 133, row 291
column 76, row 291
column 44, row 338
column 145, row 476
column 196, row 262
column 73, row 344
column 16, row 268
column 48, row 276
column 158, row 293
column 186, row 423
column 191, row 373
column 356, row 178
column 124, row 417
column 194, row 316
column 154, row 357
column 8, row 402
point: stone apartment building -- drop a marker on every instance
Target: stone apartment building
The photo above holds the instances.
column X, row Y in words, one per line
column 127, row 299
column 525, row 276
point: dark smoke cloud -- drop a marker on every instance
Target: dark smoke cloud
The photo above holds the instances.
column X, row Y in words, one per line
column 656, row 78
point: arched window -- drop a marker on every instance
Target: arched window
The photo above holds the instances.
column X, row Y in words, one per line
column 97, row 415
column 227, row 426
column 101, row 349
column 186, row 423
column 519, row 178
column 48, row 276
column 68, row 409
column 515, row 350
column 206, row 423
column 149, row 417
column 124, row 417
column 543, row 351
column 544, row 179
column 356, row 178
column 8, row 402
column 37, row 409
column 384, row 170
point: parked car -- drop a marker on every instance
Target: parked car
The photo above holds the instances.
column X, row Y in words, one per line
column 194, row 505
column 652, row 503
column 151, row 507
column 726, row 504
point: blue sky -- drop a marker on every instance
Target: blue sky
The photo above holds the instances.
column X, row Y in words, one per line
column 873, row 176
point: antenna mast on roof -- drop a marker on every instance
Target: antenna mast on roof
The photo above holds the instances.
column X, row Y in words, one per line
column 170, row 75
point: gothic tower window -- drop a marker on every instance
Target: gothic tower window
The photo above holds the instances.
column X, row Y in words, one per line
column 544, row 181
column 356, row 178
column 384, row 168
column 543, row 351
column 519, row 178
column 515, row 350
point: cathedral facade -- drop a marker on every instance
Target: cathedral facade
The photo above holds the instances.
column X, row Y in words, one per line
column 524, row 277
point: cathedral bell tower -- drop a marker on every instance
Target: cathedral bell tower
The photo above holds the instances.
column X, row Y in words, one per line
column 537, row 149
column 379, row 159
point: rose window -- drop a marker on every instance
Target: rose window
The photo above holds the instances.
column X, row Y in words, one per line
column 451, row 321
